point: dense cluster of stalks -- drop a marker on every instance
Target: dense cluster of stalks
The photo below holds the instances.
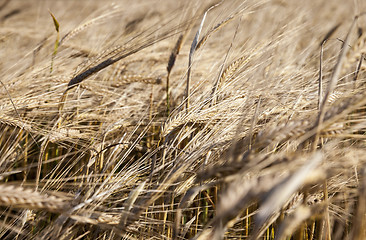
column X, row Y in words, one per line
column 233, row 119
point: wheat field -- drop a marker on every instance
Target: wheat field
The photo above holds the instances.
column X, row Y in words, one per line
column 164, row 119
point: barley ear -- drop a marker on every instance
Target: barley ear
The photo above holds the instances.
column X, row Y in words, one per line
column 57, row 41
column 213, row 30
column 26, row 198
column 192, row 51
column 333, row 81
column 171, row 62
column 330, row 33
